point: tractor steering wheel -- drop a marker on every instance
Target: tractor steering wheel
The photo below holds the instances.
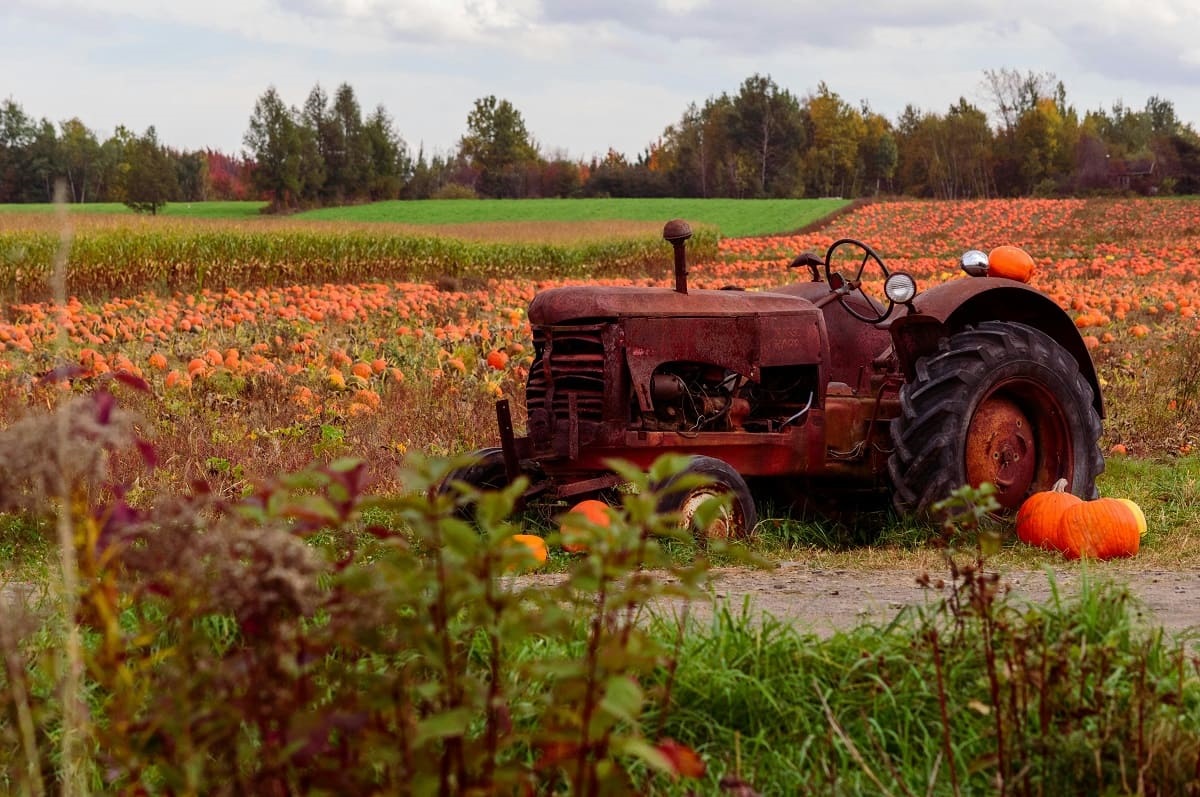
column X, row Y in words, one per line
column 855, row 284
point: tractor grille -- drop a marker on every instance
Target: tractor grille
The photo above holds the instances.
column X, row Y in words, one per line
column 567, row 360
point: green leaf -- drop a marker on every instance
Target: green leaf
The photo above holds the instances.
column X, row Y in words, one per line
column 446, row 725
column 623, row 698
column 990, row 543
column 709, row 510
column 639, row 748
column 313, row 508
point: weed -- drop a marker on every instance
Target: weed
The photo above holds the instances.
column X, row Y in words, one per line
column 312, row 636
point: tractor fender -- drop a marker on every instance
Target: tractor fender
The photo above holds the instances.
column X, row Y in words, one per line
column 953, row 306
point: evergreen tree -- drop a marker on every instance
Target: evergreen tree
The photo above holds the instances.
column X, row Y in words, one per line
column 151, row 181
column 275, row 145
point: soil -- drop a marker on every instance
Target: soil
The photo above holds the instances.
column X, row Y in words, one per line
column 826, row 600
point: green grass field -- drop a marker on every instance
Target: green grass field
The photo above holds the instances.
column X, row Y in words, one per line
column 195, row 210
column 734, row 218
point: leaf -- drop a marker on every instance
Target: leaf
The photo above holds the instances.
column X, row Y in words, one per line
column 710, row 509
column 553, row 753
column 446, row 725
column 979, row 708
column 685, row 761
column 346, row 465
column 623, row 698
column 308, row 508
column 135, row 382
column 641, row 749
column 990, row 543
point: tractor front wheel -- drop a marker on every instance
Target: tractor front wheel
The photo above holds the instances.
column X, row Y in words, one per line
column 1002, row 403
column 737, row 518
column 484, row 472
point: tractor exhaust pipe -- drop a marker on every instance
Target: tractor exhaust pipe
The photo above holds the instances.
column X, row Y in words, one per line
column 676, row 232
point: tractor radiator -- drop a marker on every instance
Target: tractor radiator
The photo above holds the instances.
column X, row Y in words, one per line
column 567, row 373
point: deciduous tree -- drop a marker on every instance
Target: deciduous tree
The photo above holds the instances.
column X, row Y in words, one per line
column 877, row 151
column 498, row 146
column 79, row 152
column 835, row 130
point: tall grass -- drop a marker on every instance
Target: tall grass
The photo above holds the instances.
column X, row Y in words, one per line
column 110, row 257
column 990, row 697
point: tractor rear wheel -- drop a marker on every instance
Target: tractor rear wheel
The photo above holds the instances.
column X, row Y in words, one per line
column 736, row 520
column 1002, row 403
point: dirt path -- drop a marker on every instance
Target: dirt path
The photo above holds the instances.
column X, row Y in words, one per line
column 824, row 600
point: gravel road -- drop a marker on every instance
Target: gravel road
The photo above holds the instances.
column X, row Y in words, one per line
column 824, row 600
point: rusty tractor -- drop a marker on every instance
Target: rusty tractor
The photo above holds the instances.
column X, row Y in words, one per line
column 850, row 381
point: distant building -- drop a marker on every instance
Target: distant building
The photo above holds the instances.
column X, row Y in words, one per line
column 1134, row 174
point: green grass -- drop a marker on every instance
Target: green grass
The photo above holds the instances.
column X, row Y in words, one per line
column 193, row 210
column 869, row 535
column 794, row 714
column 26, row 548
column 733, row 217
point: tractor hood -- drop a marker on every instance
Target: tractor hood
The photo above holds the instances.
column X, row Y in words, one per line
column 572, row 303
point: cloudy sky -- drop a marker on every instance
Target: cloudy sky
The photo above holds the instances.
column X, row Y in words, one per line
column 585, row 74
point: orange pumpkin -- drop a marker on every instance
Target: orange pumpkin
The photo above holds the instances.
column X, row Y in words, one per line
column 535, row 544
column 572, row 525
column 1012, row 262
column 1102, row 529
column 1040, row 516
column 497, row 359
column 1139, row 517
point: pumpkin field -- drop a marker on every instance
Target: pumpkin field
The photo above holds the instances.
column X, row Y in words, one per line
column 305, row 615
column 272, row 371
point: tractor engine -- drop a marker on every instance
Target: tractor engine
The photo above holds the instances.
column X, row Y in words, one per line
column 701, row 397
column 693, row 397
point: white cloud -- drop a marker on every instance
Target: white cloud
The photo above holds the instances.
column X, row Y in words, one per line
column 587, row 74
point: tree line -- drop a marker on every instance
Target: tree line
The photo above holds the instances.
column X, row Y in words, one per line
column 762, row 141
column 36, row 155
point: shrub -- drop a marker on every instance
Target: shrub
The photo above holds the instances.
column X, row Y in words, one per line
column 312, row 637
column 455, row 191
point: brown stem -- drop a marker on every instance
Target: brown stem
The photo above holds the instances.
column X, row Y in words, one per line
column 492, row 732
column 452, row 753
column 584, row 787
column 947, row 748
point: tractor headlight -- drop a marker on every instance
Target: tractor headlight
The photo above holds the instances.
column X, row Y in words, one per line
column 900, row 288
column 975, row 263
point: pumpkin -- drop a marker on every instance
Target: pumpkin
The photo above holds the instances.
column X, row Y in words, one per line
column 574, row 524
column 1139, row 517
column 497, row 359
column 1102, row 529
column 1012, row 262
column 535, row 544
column 1040, row 516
